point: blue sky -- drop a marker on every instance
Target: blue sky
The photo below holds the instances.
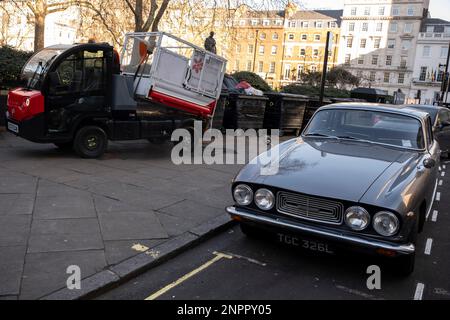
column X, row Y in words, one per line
column 438, row 8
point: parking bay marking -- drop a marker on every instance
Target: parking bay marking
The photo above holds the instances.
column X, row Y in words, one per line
column 434, row 217
column 428, row 246
column 438, row 196
column 419, row 291
column 443, row 173
column 440, row 182
column 218, row 256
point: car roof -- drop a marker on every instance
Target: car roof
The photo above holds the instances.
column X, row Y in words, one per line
column 425, row 107
column 393, row 108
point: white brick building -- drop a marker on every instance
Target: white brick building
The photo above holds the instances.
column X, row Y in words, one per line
column 378, row 41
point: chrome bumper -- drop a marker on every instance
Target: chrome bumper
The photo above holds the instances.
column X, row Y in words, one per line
column 374, row 244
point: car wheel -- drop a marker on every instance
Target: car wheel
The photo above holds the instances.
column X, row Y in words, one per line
column 249, row 231
column 405, row 264
column 90, row 142
column 64, row 145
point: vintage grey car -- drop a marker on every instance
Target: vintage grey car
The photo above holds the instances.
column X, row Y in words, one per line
column 361, row 176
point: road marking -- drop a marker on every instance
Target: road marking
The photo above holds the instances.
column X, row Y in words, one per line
column 444, row 166
column 443, row 174
column 218, row 256
column 434, row 217
column 428, row 246
column 251, row 260
column 419, row 291
column 440, row 182
column 438, row 196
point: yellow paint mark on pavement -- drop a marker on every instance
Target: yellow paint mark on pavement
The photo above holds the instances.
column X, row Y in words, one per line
column 139, row 247
column 218, row 256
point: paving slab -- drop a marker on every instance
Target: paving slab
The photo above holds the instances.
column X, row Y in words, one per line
column 131, row 225
column 16, row 203
column 11, row 267
column 64, row 206
column 14, row 230
column 46, row 272
column 65, row 235
column 19, row 183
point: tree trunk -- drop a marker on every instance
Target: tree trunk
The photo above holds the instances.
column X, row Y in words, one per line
column 39, row 32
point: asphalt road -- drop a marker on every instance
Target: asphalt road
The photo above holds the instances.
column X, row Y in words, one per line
column 233, row 266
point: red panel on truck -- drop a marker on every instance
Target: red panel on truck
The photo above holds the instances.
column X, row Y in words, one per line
column 183, row 105
column 24, row 104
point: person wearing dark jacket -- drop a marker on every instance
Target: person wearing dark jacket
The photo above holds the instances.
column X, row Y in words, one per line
column 210, row 43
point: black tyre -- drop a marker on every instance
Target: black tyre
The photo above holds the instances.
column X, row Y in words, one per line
column 90, row 142
column 404, row 266
column 64, row 145
column 249, row 230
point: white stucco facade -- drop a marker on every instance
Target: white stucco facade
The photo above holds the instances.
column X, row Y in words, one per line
column 431, row 55
column 378, row 41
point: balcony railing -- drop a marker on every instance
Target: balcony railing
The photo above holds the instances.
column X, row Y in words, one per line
column 427, row 82
column 434, row 35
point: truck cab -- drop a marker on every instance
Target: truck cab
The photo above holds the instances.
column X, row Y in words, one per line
column 82, row 95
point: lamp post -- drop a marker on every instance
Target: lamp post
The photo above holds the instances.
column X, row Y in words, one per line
column 444, row 86
column 254, row 50
column 325, row 65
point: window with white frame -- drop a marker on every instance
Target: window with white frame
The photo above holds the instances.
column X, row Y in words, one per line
column 236, row 65
column 304, row 37
column 351, row 26
column 289, row 51
column 315, row 53
column 430, row 28
column 274, row 50
column 444, row 52
column 391, row 43
column 262, row 36
column 381, row 11
column 319, row 24
column 363, row 43
column 360, row 59
column 408, row 28
column 393, row 27
column 261, row 49
column 410, row 11
column 260, row 66
column 423, row 73
column 242, row 23
column 365, row 26
column 406, row 44
column 349, row 42
column 426, row 53
column 272, row 67
column 386, row 77
column 333, row 24
column 291, row 36
column 401, row 78
column 302, row 52
column 395, row 10
column 367, row 11
column 317, row 37
column 275, row 36
column 305, row 24
column 266, row 23
column 353, row 11
column 313, row 68
column 347, row 59
column 292, row 24
column 287, row 71
column 359, row 74
column 375, row 59
column 388, row 60
column 250, row 48
column 254, row 22
column 372, row 76
column 379, row 26
column 300, row 69
column 376, row 43
column 249, row 65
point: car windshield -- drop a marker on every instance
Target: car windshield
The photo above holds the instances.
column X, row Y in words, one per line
column 38, row 64
column 369, row 126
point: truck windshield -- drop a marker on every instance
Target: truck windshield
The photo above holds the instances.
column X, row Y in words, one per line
column 34, row 69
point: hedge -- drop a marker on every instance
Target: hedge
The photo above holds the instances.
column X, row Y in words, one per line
column 11, row 64
column 315, row 91
column 256, row 81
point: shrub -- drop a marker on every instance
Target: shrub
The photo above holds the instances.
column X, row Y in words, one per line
column 11, row 63
column 256, row 81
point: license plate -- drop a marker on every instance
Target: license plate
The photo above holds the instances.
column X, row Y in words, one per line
column 13, row 127
column 305, row 243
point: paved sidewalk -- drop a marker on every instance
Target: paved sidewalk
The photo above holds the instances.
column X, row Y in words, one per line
column 58, row 210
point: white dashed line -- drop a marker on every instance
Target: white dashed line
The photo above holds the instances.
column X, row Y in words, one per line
column 440, row 182
column 443, row 174
column 428, row 246
column 438, row 196
column 444, row 166
column 419, row 291
column 434, row 217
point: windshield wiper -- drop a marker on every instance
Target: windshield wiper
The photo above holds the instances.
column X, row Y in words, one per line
column 43, row 70
column 317, row 134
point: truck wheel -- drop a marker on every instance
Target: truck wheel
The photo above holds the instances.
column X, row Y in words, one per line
column 90, row 142
column 64, row 145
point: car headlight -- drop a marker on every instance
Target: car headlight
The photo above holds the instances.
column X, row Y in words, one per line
column 357, row 218
column 243, row 194
column 264, row 199
column 385, row 223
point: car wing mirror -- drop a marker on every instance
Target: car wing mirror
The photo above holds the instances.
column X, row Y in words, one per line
column 429, row 163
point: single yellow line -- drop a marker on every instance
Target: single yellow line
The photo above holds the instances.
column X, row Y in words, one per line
column 172, row 285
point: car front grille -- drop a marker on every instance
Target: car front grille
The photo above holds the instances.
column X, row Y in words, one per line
column 310, row 208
